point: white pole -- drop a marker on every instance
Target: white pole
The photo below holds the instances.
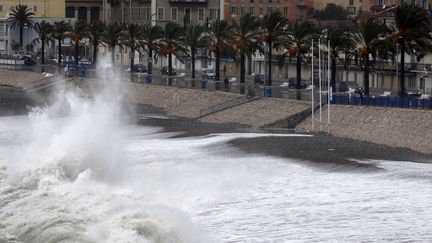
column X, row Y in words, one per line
column 319, row 80
column 312, row 83
column 328, row 86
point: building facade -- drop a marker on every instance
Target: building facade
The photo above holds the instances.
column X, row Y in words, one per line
column 84, row 10
column 292, row 9
column 183, row 12
column 48, row 10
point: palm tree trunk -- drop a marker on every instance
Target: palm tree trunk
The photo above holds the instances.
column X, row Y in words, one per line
column 43, row 51
column 59, row 52
column 298, row 84
column 193, row 61
column 298, row 65
column 366, row 75
column 132, row 55
column 269, row 79
column 95, row 46
column 170, row 64
column 218, row 58
column 402, row 69
column 76, row 52
column 333, row 73
column 21, row 36
column 242, row 71
column 150, row 61
column 113, row 55
column 250, row 64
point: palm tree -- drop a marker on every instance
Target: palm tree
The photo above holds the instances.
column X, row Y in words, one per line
column 246, row 37
column 273, row 26
column 77, row 33
column 130, row 38
column 59, row 33
column 172, row 42
column 299, row 36
column 111, row 37
column 95, row 32
column 194, row 39
column 369, row 35
column 340, row 41
column 44, row 30
column 412, row 33
column 20, row 16
column 219, row 38
column 150, row 40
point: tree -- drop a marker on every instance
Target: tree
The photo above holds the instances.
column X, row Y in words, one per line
column 111, row 37
column 95, row 32
column 44, row 31
column 245, row 39
column 20, row 16
column 130, row 38
column 412, row 32
column 273, row 26
column 77, row 33
column 194, row 39
column 59, row 33
column 172, row 42
column 370, row 34
column 299, row 35
column 340, row 42
column 332, row 12
column 218, row 39
column 150, row 41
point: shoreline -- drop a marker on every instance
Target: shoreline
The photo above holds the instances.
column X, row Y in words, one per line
column 395, row 128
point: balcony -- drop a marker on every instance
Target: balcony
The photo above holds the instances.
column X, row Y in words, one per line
column 188, row 1
column 301, row 3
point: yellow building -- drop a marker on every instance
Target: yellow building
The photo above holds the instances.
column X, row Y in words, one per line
column 41, row 8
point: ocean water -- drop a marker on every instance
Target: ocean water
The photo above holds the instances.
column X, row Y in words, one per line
column 76, row 171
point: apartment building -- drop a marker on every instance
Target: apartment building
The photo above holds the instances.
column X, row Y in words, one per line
column 49, row 10
column 183, row 12
column 84, row 10
column 292, row 9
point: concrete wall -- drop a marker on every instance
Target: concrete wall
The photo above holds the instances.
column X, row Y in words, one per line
column 394, row 127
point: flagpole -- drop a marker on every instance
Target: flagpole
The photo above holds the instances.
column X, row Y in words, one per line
column 328, row 87
column 319, row 80
column 312, row 83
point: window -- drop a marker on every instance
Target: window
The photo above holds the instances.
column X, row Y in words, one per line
column 285, row 11
column 187, row 15
column 251, row 9
column 35, row 9
column 351, row 10
column 160, row 14
column 261, row 11
column 241, row 10
column 174, row 14
column 351, row 2
column 214, row 14
column 1, row 8
column 201, row 14
column 70, row 12
column 233, row 10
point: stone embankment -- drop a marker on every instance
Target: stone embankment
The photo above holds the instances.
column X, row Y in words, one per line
column 394, row 127
column 388, row 126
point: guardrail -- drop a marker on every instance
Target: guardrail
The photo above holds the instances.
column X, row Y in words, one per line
column 384, row 101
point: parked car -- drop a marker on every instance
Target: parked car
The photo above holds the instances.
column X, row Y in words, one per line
column 292, row 83
column 413, row 93
column 259, row 78
column 139, row 68
column 28, row 61
column 346, row 85
column 208, row 74
column 164, row 71
column 84, row 61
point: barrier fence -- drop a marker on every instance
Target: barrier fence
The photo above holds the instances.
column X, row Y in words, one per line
column 384, row 101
